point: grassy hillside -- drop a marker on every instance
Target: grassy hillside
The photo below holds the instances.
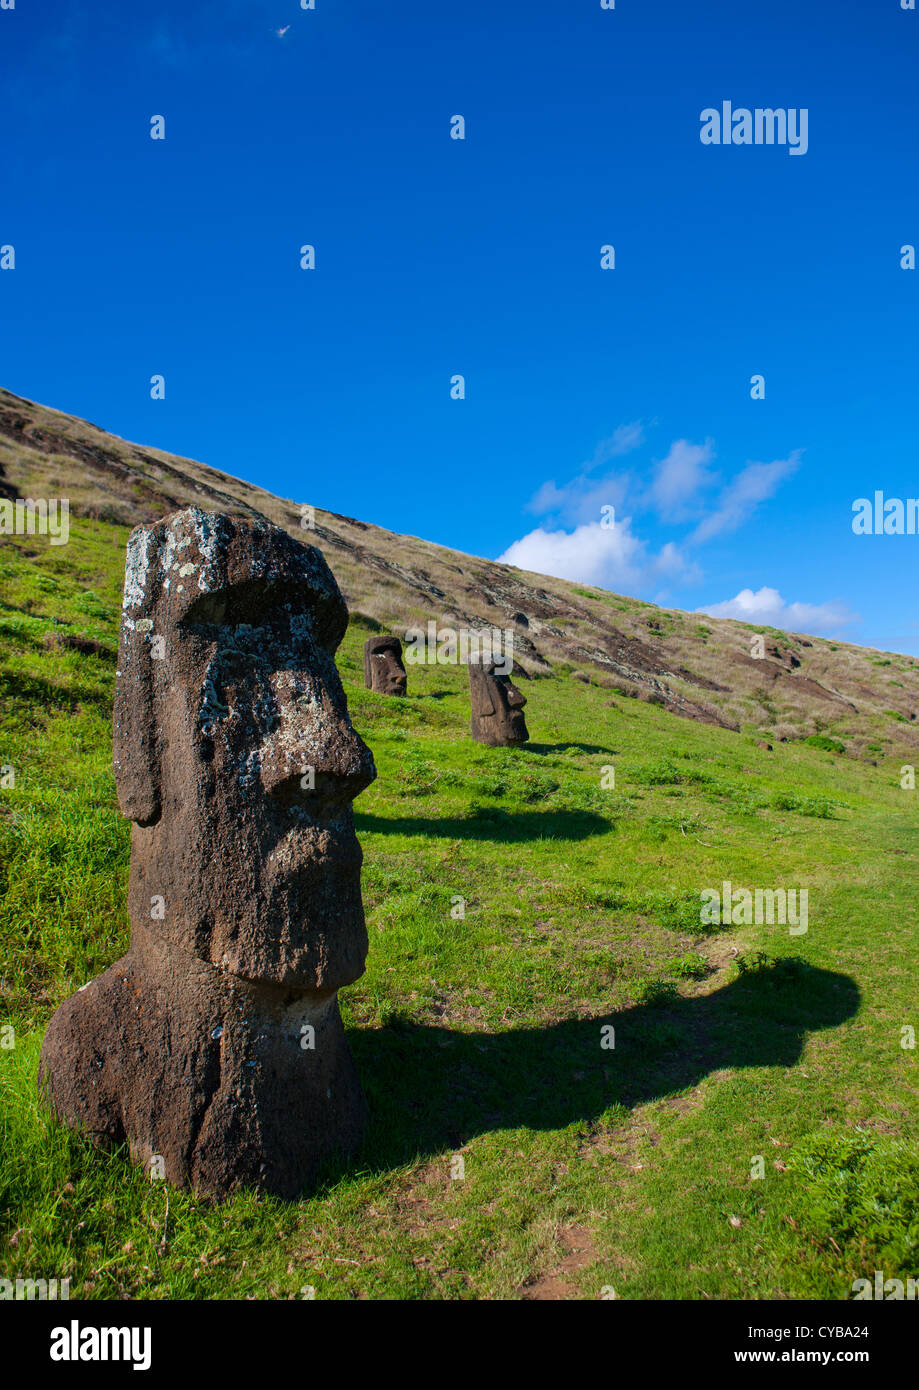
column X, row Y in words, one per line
column 586, row 1167
column 797, row 687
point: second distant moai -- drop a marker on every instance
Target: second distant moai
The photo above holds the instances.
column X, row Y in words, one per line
column 496, row 705
column 383, row 667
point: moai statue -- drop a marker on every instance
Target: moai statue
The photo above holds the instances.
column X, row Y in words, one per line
column 215, row 1047
column 383, row 668
column 497, row 706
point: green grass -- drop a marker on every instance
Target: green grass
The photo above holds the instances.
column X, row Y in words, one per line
column 865, row 1192
column 482, row 1035
column 829, row 745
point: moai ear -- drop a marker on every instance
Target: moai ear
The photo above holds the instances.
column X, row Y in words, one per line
column 135, row 743
column 135, row 753
column 369, row 654
column 486, row 699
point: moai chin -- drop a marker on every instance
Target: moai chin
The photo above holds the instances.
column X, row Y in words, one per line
column 383, row 667
column 215, row 1047
column 497, row 706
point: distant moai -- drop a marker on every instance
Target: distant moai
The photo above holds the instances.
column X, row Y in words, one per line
column 383, row 666
column 215, row 1047
column 496, row 705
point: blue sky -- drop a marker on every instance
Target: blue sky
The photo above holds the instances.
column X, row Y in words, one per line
column 585, row 387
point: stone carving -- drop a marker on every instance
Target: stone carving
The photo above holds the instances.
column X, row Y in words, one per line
column 497, row 706
column 383, row 667
column 215, row 1047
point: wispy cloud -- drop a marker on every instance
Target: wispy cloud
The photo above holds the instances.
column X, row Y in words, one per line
column 622, row 441
column 582, row 499
column 680, row 478
column 680, row 489
column 216, row 30
column 739, row 500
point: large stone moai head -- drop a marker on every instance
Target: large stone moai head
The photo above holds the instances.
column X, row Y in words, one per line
column 215, row 1046
column 233, row 751
column 383, row 667
column 497, row 706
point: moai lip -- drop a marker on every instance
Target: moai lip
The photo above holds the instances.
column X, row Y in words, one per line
column 383, row 667
column 215, row 1046
column 496, row 706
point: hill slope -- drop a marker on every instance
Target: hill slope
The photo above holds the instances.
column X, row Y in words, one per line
column 701, row 669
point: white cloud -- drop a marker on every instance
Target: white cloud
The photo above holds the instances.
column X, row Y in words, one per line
column 767, row 608
column 741, row 497
column 613, row 558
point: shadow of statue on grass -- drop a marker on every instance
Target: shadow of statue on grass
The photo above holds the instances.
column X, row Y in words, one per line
column 432, row 1088
column 490, row 823
column 597, row 749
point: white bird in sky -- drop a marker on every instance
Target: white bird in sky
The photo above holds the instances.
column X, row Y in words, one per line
column 281, row 32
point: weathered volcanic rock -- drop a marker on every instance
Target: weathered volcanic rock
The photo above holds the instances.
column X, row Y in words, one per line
column 496, row 705
column 215, row 1046
column 383, row 667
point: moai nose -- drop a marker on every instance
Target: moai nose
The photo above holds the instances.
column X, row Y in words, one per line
column 313, row 748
